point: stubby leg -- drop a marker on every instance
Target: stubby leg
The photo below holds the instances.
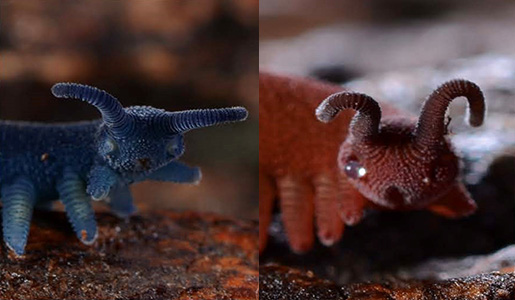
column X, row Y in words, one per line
column 18, row 201
column 296, row 201
column 352, row 205
column 329, row 223
column 120, row 201
column 72, row 192
column 178, row 172
column 455, row 203
column 100, row 181
column 266, row 204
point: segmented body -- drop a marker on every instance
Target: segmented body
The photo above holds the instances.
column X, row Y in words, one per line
column 78, row 162
column 305, row 164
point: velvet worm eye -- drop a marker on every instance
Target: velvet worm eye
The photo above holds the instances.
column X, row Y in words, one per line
column 172, row 148
column 355, row 170
column 175, row 148
column 109, row 146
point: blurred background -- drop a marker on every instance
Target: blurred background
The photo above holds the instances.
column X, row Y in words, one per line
column 168, row 54
column 362, row 37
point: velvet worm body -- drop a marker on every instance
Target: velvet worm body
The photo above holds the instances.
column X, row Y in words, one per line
column 326, row 161
column 98, row 159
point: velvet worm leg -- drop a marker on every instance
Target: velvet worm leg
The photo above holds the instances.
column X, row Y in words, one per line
column 178, row 172
column 120, row 201
column 78, row 208
column 455, row 203
column 329, row 223
column 18, row 203
column 100, row 181
column 352, row 204
column 296, row 201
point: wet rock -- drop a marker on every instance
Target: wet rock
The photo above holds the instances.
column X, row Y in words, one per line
column 163, row 255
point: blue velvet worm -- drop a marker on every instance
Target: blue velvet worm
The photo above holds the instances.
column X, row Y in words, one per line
column 78, row 162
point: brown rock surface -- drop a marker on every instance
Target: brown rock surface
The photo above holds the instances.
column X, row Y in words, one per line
column 278, row 282
column 164, row 255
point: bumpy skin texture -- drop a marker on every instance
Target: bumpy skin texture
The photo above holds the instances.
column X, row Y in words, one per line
column 326, row 175
column 40, row 163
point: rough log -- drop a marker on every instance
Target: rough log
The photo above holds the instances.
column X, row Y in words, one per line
column 163, row 255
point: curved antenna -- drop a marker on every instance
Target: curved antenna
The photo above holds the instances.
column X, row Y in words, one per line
column 430, row 127
column 187, row 120
column 365, row 123
column 112, row 111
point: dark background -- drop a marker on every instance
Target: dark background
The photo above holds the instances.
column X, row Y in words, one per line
column 168, row 54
